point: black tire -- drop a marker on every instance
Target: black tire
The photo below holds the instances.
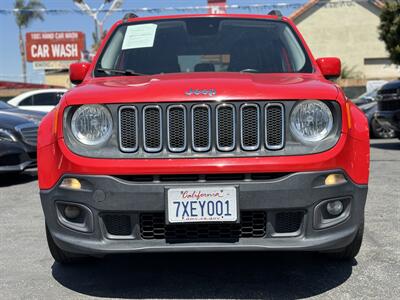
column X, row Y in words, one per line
column 377, row 131
column 351, row 251
column 58, row 254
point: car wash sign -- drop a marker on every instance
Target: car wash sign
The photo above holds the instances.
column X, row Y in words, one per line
column 54, row 46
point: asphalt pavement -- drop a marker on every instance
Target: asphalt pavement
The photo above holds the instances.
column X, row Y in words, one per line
column 27, row 270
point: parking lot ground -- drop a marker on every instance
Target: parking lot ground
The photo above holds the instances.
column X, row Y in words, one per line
column 27, row 270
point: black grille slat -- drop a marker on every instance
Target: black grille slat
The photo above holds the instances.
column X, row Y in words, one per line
column 128, row 129
column 226, row 127
column 29, row 135
column 252, row 225
column 176, row 128
column 250, row 124
column 274, row 126
column 201, row 128
column 152, row 128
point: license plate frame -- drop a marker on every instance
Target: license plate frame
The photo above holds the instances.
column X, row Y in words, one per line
column 231, row 189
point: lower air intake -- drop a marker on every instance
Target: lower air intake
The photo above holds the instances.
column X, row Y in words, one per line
column 288, row 221
column 252, row 225
column 117, row 224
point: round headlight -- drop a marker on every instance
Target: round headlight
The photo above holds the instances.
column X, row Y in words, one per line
column 91, row 124
column 311, row 121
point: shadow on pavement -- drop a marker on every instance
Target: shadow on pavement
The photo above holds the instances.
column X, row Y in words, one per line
column 9, row 179
column 395, row 145
column 205, row 275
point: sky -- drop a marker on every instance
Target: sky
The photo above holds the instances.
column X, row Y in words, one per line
column 10, row 60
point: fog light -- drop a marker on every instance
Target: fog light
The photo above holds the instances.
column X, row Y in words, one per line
column 72, row 212
column 333, row 179
column 334, row 208
column 71, row 183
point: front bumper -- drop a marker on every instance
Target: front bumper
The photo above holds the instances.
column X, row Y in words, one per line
column 303, row 192
column 16, row 157
column 390, row 119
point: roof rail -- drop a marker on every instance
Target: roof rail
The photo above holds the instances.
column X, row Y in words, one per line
column 275, row 12
column 129, row 16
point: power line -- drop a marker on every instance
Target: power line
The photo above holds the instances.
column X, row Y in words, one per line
column 250, row 7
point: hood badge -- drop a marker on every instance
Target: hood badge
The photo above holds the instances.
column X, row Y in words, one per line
column 201, row 92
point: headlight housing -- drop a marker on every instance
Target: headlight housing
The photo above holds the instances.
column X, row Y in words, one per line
column 92, row 124
column 311, row 121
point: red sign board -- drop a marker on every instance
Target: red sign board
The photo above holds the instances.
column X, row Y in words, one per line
column 54, row 46
column 217, row 6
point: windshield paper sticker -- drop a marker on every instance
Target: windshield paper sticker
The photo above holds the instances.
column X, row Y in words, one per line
column 139, row 36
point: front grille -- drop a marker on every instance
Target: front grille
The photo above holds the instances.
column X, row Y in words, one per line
column 202, row 128
column 29, row 134
column 389, row 105
column 252, row 225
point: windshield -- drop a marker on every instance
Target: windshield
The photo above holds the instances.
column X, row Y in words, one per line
column 203, row 45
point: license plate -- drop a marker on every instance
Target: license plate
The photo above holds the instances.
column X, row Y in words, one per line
column 208, row 204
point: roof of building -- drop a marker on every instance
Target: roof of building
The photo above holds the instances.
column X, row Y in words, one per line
column 311, row 3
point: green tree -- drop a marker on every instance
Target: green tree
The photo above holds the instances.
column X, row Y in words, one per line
column 389, row 29
column 25, row 13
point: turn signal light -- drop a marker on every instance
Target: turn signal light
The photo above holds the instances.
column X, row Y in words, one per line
column 71, row 183
column 333, row 179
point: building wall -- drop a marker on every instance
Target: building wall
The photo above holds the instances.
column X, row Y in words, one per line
column 350, row 32
column 58, row 79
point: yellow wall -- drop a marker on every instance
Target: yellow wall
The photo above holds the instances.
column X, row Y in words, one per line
column 58, row 79
column 349, row 32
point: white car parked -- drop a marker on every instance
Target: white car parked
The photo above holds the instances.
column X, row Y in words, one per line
column 38, row 100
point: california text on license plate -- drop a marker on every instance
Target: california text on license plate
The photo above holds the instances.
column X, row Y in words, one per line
column 205, row 204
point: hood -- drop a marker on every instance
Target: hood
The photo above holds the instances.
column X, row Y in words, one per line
column 392, row 85
column 227, row 86
column 9, row 118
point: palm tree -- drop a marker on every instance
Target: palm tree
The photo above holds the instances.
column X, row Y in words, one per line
column 25, row 13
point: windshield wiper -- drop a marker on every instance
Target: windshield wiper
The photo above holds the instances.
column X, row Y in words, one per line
column 118, row 71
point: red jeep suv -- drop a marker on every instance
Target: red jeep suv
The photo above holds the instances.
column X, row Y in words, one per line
column 204, row 133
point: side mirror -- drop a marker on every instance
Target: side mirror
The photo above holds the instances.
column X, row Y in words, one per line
column 331, row 67
column 78, row 71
